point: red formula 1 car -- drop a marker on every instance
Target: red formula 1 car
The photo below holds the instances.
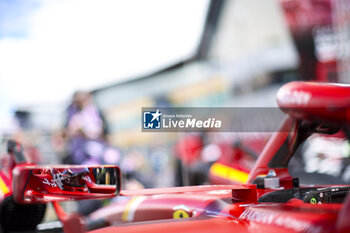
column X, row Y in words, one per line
column 271, row 201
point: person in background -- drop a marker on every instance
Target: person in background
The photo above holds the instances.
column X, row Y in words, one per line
column 85, row 130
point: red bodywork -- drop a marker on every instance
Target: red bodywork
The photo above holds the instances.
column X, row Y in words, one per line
column 236, row 208
column 312, row 23
column 236, row 161
column 39, row 185
column 253, row 207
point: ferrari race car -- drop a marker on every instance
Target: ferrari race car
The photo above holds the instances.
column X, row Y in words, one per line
column 270, row 201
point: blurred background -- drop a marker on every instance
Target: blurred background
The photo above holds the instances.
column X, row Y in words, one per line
column 74, row 75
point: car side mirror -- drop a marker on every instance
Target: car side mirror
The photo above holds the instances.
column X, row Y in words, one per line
column 41, row 184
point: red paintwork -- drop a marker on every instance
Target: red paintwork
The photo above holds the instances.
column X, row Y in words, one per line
column 163, row 202
column 188, row 148
column 302, row 100
column 325, row 71
column 295, row 216
column 304, row 18
column 315, row 101
column 226, row 208
column 302, row 15
column 275, row 142
column 343, row 222
column 36, row 184
column 255, row 218
column 174, row 190
column 235, row 157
